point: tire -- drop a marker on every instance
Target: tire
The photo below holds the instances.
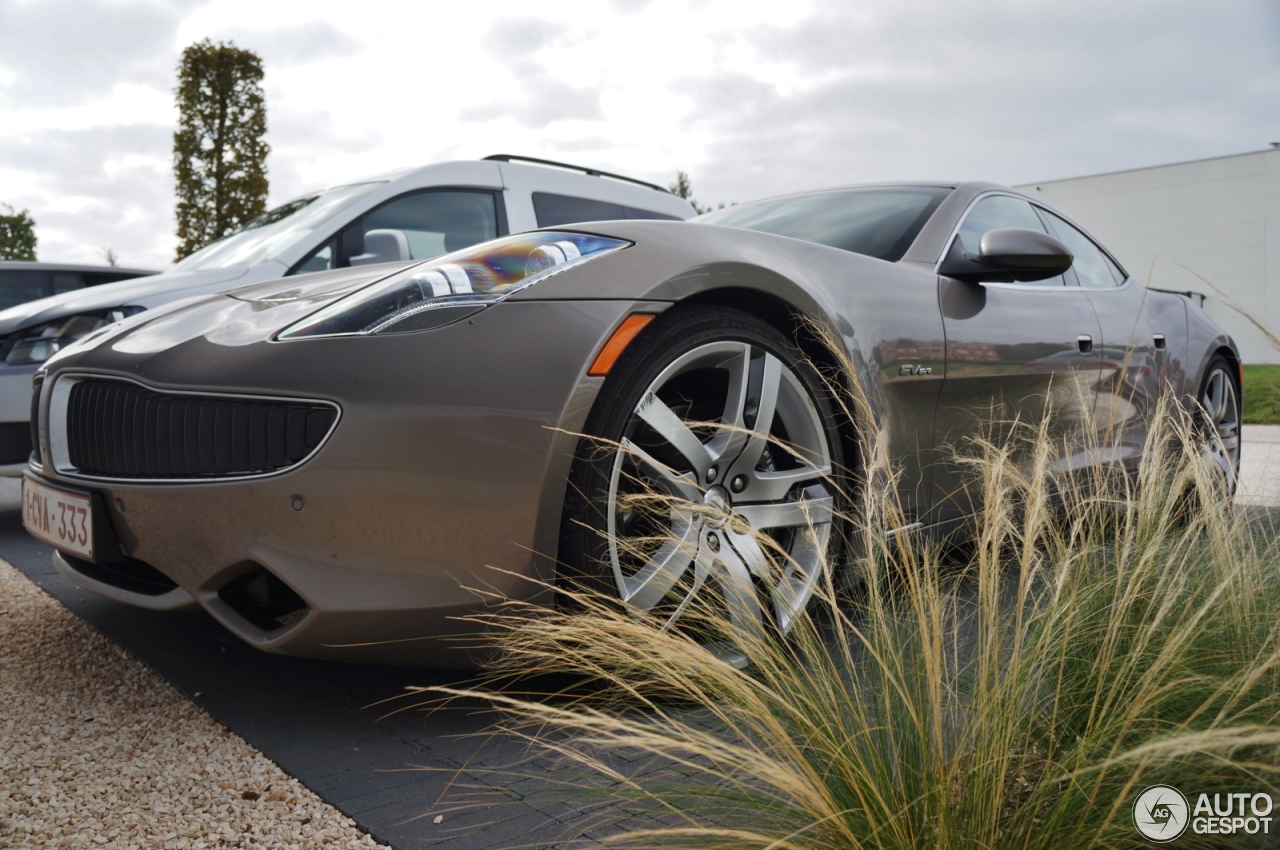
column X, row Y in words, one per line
column 663, row 506
column 1217, row 421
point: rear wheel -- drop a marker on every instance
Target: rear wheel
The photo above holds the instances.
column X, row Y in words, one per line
column 707, row 474
column 1218, row 422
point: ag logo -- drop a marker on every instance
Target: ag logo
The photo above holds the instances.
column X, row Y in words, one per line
column 1161, row 813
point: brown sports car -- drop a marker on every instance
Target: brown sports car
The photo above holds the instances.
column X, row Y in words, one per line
column 330, row 465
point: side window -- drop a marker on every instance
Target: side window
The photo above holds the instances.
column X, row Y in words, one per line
column 434, row 222
column 552, row 210
column 99, row 278
column 18, row 286
column 1093, row 268
column 66, row 282
column 995, row 212
column 321, row 259
column 633, row 212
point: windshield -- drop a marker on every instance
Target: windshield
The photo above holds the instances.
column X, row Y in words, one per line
column 878, row 222
column 271, row 233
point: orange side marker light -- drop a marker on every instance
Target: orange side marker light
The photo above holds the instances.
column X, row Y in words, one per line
column 618, row 342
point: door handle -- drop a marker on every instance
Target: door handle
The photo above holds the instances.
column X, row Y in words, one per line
column 1085, row 342
column 1159, row 340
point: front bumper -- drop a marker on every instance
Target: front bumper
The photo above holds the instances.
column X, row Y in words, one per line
column 438, row 493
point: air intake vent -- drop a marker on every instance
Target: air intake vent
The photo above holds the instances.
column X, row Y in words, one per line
column 264, row 600
column 15, row 442
column 121, row 430
column 34, row 434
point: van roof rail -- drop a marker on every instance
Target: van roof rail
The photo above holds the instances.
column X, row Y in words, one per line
column 511, row 157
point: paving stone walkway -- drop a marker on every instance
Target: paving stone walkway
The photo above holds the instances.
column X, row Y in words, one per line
column 1260, row 466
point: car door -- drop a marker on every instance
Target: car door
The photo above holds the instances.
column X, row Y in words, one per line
column 1131, row 347
column 1015, row 352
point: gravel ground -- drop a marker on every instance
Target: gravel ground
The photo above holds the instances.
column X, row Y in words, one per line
column 96, row 750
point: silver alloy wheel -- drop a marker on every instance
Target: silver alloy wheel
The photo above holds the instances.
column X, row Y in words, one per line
column 723, row 471
column 1221, row 426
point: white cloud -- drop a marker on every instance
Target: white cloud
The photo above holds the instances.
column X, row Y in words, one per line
column 126, row 104
column 750, row 97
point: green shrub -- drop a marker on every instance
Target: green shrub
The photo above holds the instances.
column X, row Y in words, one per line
column 1262, row 395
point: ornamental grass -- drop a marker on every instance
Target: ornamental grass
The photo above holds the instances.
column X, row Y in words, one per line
column 1017, row 690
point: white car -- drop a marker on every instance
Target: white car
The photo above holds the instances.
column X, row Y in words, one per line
column 406, row 215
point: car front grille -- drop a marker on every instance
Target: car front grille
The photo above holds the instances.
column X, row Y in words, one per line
column 116, row 429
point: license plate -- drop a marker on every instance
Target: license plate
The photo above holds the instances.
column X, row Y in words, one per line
column 61, row 519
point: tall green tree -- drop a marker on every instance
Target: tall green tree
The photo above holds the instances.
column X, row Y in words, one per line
column 17, row 235
column 219, row 152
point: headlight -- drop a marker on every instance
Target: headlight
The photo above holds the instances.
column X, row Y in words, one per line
column 37, row 344
column 454, row 286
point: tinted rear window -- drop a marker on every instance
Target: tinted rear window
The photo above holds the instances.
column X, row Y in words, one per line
column 555, row 210
column 98, row 278
column 880, row 223
column 19, row 286
column 632, row 212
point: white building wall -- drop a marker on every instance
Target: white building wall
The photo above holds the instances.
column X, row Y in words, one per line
column 1211, row 227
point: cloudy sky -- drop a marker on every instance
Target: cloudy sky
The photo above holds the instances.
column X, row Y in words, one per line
column 750, row 98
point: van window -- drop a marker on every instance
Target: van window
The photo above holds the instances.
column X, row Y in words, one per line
column 18, row 286
column 321, row 259
column 97, row 278
column 632, row 212
column 66, row 282
column 554, row 210
column 433, row 221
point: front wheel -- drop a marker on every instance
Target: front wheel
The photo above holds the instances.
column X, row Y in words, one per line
column 709, row 467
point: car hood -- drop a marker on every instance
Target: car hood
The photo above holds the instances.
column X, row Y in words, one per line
column 242, row 316
column 143, row 291
column 320, row 288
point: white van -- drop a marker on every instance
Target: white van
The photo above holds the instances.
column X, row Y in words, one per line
column 407, row 215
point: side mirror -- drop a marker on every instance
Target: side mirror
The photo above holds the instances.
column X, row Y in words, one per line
column 383, row 246
column 1007, row 255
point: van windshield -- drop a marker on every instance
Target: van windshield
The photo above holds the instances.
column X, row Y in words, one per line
column 273, row 232
column 879, row 222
